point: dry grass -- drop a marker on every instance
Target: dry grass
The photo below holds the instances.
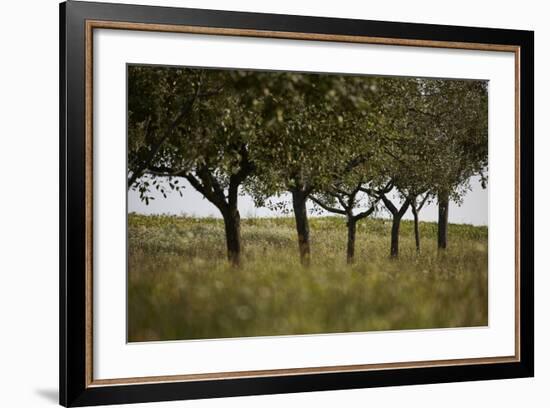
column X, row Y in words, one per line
column 180, row 286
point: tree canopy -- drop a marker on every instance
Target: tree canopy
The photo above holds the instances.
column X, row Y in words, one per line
column 343, row 142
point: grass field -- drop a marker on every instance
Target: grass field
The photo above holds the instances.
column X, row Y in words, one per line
column 181, row 287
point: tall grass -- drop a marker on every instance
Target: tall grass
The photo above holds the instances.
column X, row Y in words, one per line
column 181, row 287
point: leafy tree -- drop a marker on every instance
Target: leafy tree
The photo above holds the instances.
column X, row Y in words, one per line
column 413, row 177
column 346, row 193
column 314, row 126
column 160, row 100
column 455, row 114
column 209, row 145
column 402, row 154
column 293, row 152
column 434, row 135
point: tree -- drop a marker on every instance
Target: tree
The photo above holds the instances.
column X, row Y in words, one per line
column 397, row 213
column 347, row 193
column 159, row 101
column 455, row 112
column 434, row 134
column 415, row 176
column 288, row 158
column 313, row 125
column 417, row 203
column 343, row 201
column 192, row 124
column 402, row 153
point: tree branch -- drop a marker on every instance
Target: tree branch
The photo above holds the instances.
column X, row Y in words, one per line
column 385, row 190
column 211, row 184
column 389, row 205
column 326, row 206
column 403, row 208
column 366, row 213
column 342, row 202
column 423, row 201
column 207, row 192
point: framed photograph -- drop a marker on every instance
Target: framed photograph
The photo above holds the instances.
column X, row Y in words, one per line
column 256, row 204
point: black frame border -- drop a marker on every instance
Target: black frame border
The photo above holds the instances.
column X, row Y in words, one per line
column 72, row 297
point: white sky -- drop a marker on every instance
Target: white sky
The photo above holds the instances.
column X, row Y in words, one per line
column 474, row 209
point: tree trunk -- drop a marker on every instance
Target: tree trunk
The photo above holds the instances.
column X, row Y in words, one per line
column 443, row 219
column 232, row 221
column 416, row 231
column 352, row 224
column 302, row 227
column 394, row 249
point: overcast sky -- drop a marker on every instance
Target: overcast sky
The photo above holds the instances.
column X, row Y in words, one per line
column 474, row 209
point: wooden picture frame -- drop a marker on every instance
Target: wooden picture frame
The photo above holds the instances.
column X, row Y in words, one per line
column 78, row 20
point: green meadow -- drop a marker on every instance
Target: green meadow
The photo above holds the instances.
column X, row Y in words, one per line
column 180, row 285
